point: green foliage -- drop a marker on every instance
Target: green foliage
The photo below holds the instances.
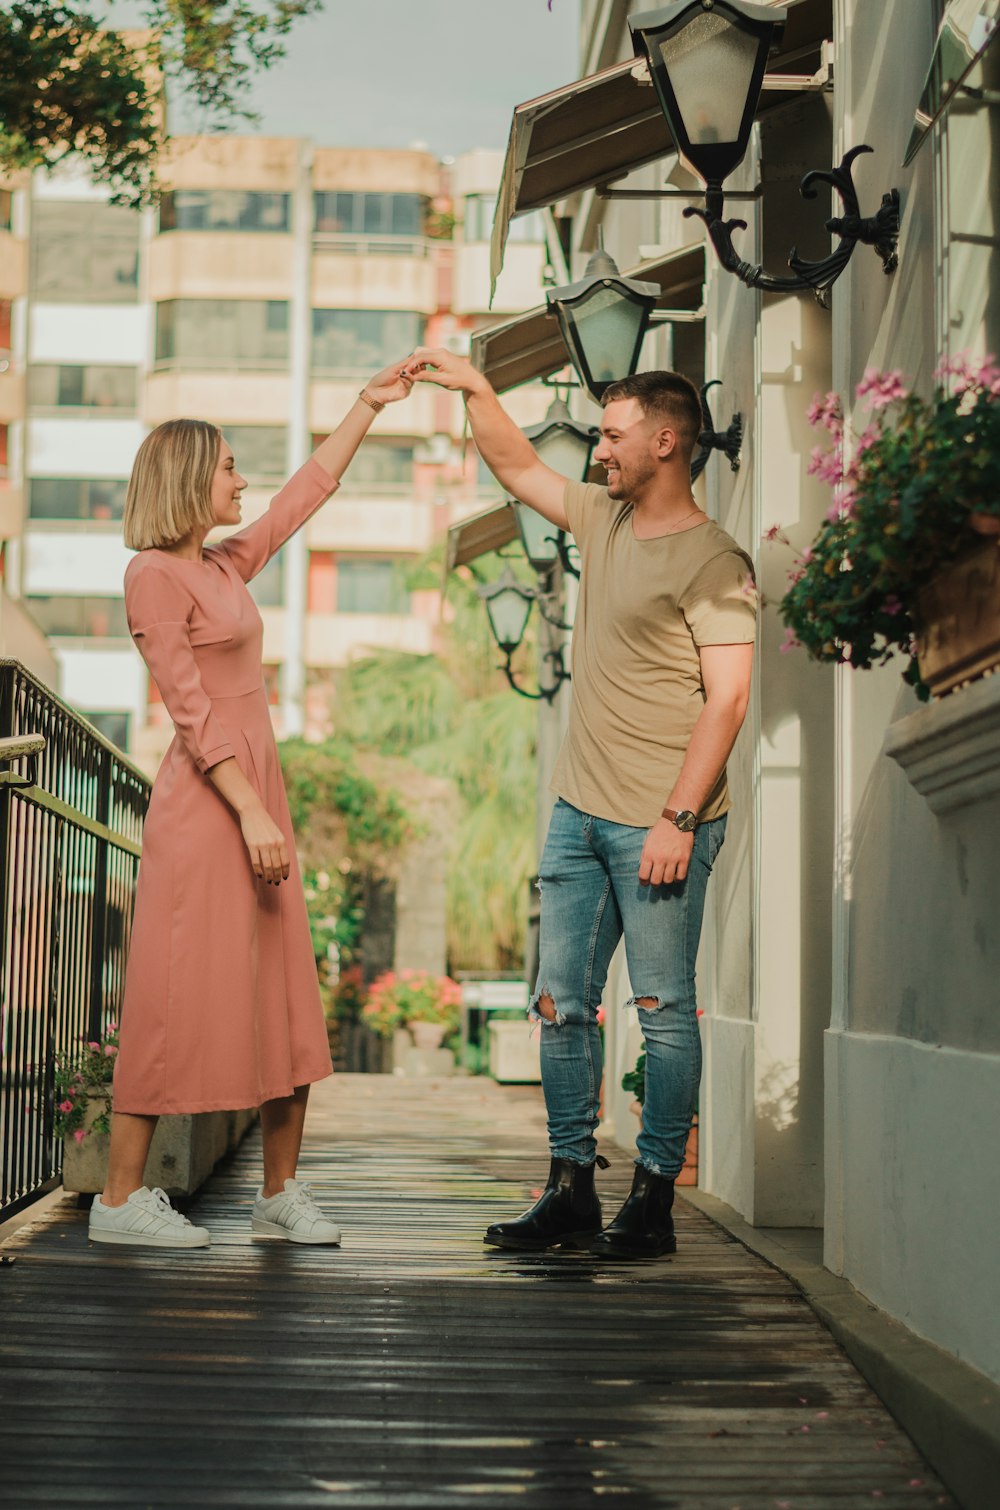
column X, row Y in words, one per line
column 453, row 717
column 346, row 829
column 922, row 476
column 68, row 86
column 635, row 1080
column 80, row 1077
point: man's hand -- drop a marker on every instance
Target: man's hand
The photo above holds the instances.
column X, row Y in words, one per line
column 430, row 364
column 666, row 854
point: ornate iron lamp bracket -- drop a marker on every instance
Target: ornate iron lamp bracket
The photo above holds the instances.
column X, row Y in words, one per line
column 546, row 694
column 880, row 230
column 728, row 441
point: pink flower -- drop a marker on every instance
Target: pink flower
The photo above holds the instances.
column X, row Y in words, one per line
column 79, row 1135
column 65, row 1106
column 826, row 413
column 600, row 1017
column 789, row 642
column 774, row 533
column 828, row 466
column 94, row 1046
column 881, row 388
column 109, row 1050
column 892, row 605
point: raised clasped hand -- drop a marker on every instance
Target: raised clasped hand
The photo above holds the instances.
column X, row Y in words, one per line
column 392, row 383
column 666, row 854
column 432, row 364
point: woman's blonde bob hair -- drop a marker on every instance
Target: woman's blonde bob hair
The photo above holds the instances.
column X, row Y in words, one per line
column 170, row 490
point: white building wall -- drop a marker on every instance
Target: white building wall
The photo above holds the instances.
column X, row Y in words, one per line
column 88, row 333
column 88, row 446
column 63, row 563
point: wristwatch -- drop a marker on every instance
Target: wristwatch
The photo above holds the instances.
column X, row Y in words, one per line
column 685, row 820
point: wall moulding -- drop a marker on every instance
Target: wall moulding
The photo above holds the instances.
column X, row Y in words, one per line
column 950, row 751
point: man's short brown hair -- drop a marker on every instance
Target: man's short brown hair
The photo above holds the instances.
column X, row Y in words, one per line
column 669, row 397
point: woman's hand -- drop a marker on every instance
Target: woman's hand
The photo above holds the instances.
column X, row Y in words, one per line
column 266, row 843
column 391, row 384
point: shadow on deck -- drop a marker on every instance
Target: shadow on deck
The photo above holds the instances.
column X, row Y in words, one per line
column 415, row 1368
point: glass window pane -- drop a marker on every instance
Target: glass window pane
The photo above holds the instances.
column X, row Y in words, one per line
column 223, row 210
column 51, row 387
column 84, row 253
column 379, row 465
column 100, row 498
column 222, row 332
column 362, row 340
column 268, row 587
column 100, row 618
column 260, row 451
column 371, row 587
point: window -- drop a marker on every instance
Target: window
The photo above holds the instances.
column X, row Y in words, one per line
column 357, row 214
column 260, row 451
column 51, row 387
column 100, row 618
column 363, row 340
column 84, row 253
column 479, row 212
column 970, row 219
column 379, row 467
column 6, row 206
column 222, row 332
column 223, row 210
column 267, row 588
column 371, row 587
column 76, row 498
column 113, row 726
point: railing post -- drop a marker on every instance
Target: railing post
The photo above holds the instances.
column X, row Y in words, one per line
column 99, row 921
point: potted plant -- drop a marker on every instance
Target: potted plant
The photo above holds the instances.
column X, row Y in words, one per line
column 82, row 1089
column 907, row 558
column 428, row 1006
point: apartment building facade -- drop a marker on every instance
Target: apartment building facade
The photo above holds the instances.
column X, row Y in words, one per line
column 273, row 279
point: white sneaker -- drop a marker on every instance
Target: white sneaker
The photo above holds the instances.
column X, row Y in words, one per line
column 147, row 1219
column 293, row 1215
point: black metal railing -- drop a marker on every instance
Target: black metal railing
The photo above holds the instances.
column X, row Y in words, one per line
column 71, row 814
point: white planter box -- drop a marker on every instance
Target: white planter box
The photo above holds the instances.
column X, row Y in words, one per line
column 514, row 1052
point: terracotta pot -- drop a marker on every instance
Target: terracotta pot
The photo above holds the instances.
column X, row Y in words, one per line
column 959, row 618
column 427, row 1035
column 689, row 1174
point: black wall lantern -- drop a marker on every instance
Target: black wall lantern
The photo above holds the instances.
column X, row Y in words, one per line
column 603, row 319
column 707, row 59
column 565, row 445
column 508, row 606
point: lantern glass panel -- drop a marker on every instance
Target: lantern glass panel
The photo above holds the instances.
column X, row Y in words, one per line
column 538, row 536
column 604, row 335
column 564, row 452
column 508, row 612
column 711, row 66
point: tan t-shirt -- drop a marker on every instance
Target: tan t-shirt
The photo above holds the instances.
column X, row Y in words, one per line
column 644, row 609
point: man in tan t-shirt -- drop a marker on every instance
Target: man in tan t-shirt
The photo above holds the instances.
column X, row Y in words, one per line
column 662, row 656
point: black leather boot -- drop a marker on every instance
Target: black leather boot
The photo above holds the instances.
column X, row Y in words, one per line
column 567, row 1212
column 643, row 1227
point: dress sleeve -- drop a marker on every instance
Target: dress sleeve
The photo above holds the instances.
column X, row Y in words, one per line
column 251, row 549
column 158, row 608
column 720, row 602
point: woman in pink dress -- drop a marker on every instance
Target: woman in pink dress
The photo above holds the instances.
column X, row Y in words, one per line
column 222, row 1008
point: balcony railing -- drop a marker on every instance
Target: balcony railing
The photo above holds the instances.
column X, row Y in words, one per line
column 71, row 815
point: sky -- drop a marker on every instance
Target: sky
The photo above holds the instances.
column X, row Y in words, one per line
column 392, row 73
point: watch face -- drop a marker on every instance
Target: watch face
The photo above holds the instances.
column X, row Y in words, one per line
column 686, row 821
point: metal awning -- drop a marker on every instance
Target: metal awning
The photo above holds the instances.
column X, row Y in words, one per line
column 484, row 532
column 967, row 30
column 599, row 128
column 530, row 347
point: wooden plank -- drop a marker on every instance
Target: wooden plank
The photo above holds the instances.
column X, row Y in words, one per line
column 416, row 1368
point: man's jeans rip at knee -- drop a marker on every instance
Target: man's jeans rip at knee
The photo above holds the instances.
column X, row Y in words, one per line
column 648, row 1003
column 542, row 1008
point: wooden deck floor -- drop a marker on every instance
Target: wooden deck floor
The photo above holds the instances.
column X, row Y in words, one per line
column 414, row 1368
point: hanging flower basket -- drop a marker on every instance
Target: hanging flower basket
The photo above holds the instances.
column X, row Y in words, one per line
column 958, row 620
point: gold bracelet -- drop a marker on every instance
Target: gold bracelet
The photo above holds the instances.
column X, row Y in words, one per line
column 373, row 403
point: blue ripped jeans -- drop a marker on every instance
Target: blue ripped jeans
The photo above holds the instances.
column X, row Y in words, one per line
column 591, row 896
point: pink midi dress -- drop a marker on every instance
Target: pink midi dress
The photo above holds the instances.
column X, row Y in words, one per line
column 221, row 1007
